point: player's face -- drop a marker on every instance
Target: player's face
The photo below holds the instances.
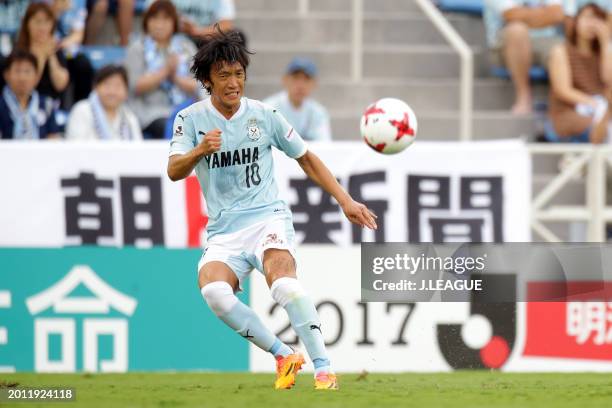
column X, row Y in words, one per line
column 21, row 77
column 112, row 92
column 160, row 27
column 227, row 84
column 299, row 86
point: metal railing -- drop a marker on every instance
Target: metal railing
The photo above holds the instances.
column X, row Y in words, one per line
column 466, row 95
column 357, row 41
column 303, row 7
column 588, row 162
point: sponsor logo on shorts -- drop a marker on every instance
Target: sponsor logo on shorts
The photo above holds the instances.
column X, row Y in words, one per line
column 272, row 239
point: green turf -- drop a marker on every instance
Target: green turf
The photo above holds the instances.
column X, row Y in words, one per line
column 462, row 389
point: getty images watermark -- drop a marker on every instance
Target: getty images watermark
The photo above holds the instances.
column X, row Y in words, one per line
column 402, row 272
column 411, row 265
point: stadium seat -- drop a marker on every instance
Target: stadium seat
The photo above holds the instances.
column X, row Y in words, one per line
column 536, row 73
column 140, row 6
column 462, row 6
column 101, row 55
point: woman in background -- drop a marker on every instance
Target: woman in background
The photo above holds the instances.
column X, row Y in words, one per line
column 37, row 35
column 70, row 32
column 24, row 113
column 158, row 68
column 581, row 78
column 104, row 115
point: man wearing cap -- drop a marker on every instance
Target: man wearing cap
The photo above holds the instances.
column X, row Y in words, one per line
column 306, row 115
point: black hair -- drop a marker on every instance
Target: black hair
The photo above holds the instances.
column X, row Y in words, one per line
column 20, row 55
column 108, row 71
column 217, row 48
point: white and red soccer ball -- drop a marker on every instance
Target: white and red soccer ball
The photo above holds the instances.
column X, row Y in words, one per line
column 388, row 126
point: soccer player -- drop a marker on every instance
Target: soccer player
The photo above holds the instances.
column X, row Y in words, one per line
column 228, row 140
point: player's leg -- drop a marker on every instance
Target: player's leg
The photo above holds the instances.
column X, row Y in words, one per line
column 279, row 268
column 218, row 283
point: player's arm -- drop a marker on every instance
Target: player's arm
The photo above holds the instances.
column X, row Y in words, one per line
column 180, row 166
column 319, row 173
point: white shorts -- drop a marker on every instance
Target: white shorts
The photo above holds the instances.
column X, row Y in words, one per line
column 243, row 250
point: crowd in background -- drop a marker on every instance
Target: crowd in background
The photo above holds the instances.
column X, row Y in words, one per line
column 50, row 88
column 571, row 39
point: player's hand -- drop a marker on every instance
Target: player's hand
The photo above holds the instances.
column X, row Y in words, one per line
column 211, row 142
column 359, row 214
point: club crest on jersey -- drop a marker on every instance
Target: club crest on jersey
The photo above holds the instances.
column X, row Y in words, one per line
column 253, row 130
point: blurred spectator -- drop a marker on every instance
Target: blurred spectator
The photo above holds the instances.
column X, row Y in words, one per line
column 24, row 113
column 11, row 13
column 99, row 9
column 158, row 68
column 580, row 79
column 521, row 33
column 104, row 115
column 37, row 36
column 306, row 115
column 70, row 31
column 198, row 17
column 70, row 16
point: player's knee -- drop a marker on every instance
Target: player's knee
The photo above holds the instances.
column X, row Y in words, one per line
column 285, row 289
column 220, row 297
column 278, row 264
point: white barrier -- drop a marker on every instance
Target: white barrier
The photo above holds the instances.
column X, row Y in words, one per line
column 428, row 337
column 588, row 162
column 119, row 194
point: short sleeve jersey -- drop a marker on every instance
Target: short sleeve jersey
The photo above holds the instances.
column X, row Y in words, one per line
column 238, row 181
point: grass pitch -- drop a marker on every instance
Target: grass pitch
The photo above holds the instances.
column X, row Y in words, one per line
column 460, row 389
